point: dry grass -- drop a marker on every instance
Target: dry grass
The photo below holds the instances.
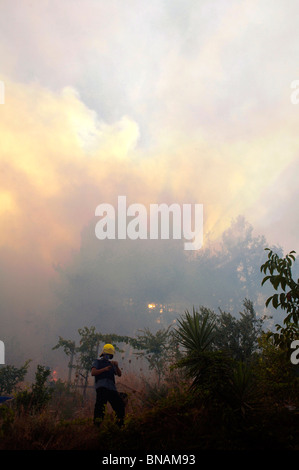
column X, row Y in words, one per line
column 67, row 421
column 67, row 424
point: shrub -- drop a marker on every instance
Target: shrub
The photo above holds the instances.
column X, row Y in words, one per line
column 36, row 399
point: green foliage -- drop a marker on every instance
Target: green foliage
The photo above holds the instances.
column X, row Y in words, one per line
column 195, row 332
column 158, row 349
column 65, row 400
column 277, row 376
column 68, row 346
column 11, row 376
column 37, row 398
column 209, row 372
column 238, row 336
column 243, row 390
column 219, row 352
column 88, row 350
column 280, row 275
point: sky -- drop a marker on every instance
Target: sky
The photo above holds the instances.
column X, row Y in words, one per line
column 167, row 101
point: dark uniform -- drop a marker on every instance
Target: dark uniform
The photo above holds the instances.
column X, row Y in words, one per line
column 106, row 392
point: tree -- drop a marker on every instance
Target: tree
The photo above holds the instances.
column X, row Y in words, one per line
column 35, row 400
column 280, row 276
column 157, row 349
column 217, row 349
column 11, row 376
column 88, row 350
column 229, row 271
column 238, row 336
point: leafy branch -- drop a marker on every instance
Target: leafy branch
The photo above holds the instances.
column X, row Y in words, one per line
column 280, row 275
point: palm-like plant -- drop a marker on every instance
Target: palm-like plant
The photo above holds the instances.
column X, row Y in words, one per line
column 213, row 372
column 195, row 334
column 243, row 390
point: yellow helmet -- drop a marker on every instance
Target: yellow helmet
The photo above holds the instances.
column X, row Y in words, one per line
column 108, row 349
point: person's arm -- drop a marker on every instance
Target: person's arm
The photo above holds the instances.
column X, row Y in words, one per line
column 116, row 368
column 95, row 371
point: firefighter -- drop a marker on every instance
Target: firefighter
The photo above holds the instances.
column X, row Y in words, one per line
column 104, row 371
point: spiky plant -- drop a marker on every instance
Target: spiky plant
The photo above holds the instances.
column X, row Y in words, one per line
column 195, row 334
column 243, row 390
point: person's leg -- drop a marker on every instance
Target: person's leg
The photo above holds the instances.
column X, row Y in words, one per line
column 99, row 408
column 118, row 406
